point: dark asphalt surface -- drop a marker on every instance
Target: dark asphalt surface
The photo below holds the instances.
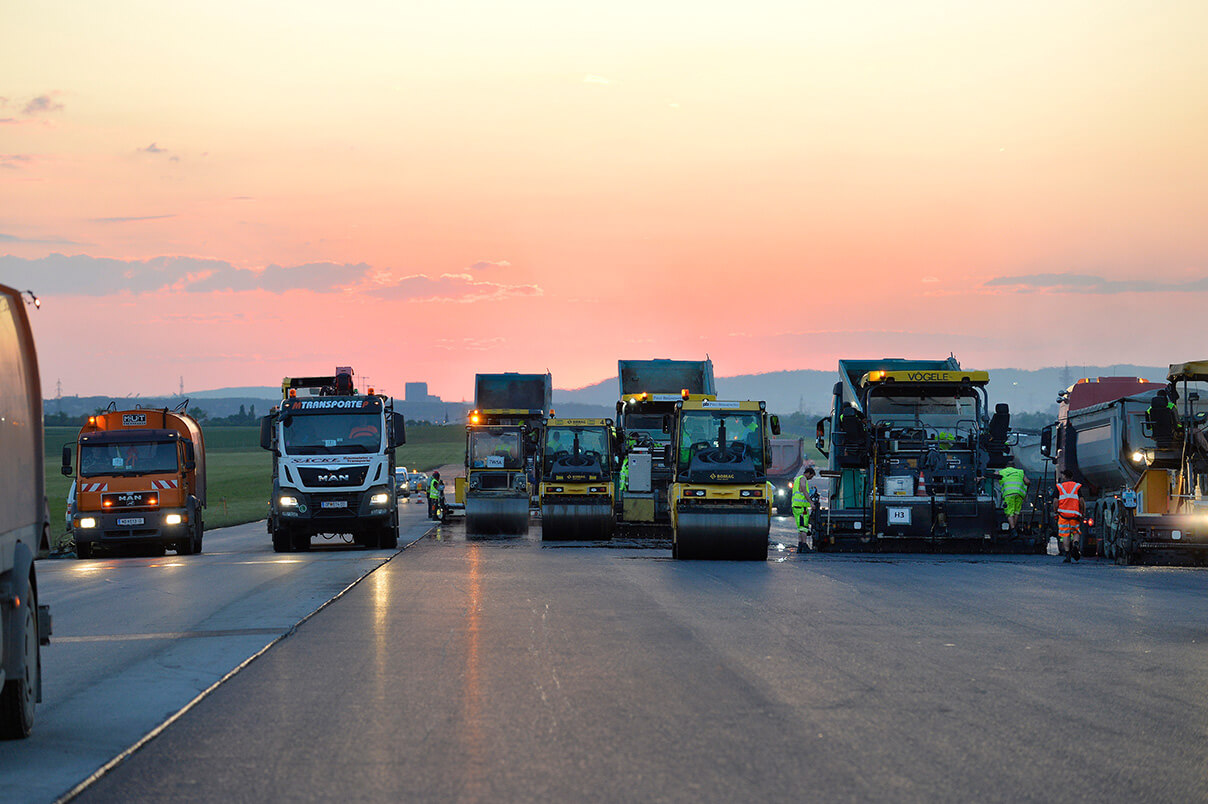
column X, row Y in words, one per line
column 502, row 670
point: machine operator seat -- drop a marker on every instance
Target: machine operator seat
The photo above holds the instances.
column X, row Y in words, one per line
column 1166, row 433
column 853, row 451
column 995, row 438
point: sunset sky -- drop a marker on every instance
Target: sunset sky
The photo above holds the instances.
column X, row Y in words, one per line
column 237, row 191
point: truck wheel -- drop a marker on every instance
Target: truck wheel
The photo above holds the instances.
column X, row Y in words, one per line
column 389, row 537
column 201, row 531
column 282, row 540
column 83, row 549
column 19, row 695
column 301, row 541
column 185, row 546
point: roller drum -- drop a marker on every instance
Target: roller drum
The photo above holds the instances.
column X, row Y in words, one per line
column 491, row 516
column 725, row 537
column 577, row 522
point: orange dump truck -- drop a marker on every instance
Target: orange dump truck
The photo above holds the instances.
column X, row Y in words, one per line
column 140, row 481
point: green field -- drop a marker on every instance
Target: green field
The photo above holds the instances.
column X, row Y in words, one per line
column 239, row 473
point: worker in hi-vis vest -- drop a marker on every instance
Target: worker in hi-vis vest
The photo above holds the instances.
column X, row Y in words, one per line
column 1014, row 485
column 1068, row 508
column 436, row 489
column 802, row 505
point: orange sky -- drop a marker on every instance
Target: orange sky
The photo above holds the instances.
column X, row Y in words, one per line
column 233, row 194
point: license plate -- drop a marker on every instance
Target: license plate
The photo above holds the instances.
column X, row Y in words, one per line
column 334, row 504
column 130, row 520
column 899, row 516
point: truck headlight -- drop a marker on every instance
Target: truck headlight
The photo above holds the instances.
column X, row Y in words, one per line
column 87, row 522
column 381, row 498
column 779, row 492
column 173, row 519
column 288, row 502
column 1138, row 457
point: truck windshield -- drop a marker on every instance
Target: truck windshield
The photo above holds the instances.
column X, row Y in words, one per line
column 575, row 448
column 128, row 458
column 944, row 411
column 644, row 421
column 709, row 437
column 332, row 433
column 498, row 449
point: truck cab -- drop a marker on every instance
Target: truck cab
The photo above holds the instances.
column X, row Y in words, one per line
column 333, row 467
column 140, row 480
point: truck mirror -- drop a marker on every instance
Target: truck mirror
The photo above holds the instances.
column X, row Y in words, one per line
column 66, row 460
column 400, row 429
column 775, row 425
column 666, row 425
column 837, row 390
column 1046, row 441
column 820, row 436
column 190, row 457
column 266, row 432
column 669, row 454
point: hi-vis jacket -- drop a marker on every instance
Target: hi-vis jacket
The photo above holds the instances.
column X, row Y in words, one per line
column 1069, row 506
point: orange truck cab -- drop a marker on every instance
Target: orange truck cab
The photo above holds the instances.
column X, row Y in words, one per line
column 140, row 481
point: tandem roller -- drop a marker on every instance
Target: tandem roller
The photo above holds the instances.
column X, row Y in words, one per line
column 584, row 522
column 721, row 536
column 497, row 516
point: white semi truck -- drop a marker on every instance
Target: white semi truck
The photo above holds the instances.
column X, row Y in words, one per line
column 24, row 623
column 333, row 463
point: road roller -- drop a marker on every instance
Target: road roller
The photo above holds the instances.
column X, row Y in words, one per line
column 502, row 439
column 720, row 498
column 578, row 493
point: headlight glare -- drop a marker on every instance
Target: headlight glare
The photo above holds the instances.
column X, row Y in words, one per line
column 87, row 522
column 379, row 499
column 288, row 502
column 173, row 519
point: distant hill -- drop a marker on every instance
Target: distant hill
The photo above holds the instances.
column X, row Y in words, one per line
column 807, row 390
column 245, row 392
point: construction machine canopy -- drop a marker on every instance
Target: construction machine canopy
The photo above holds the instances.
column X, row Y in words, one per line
column 1195, row 371
column 721, row 404
column 925, row 376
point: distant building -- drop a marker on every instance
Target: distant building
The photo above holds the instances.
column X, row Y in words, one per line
column 417, row 393
column 420, row 405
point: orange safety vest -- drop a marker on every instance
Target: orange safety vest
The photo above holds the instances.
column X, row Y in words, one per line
column 1068, row 504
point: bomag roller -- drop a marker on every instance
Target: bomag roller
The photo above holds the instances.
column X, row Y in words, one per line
column 578, row 461
column 502, row 439
column 720, row 497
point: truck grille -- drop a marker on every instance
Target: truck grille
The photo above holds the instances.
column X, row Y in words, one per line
column 345, row 476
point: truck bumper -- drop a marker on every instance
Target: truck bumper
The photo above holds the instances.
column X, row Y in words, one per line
column 131, row 527
column 327, row 512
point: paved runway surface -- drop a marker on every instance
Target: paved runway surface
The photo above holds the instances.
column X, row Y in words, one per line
column 505, row 670
column 137, row 638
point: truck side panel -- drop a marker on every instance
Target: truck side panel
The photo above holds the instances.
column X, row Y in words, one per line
column 21, row 477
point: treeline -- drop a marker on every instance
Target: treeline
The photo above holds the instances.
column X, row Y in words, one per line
column 245, row 417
